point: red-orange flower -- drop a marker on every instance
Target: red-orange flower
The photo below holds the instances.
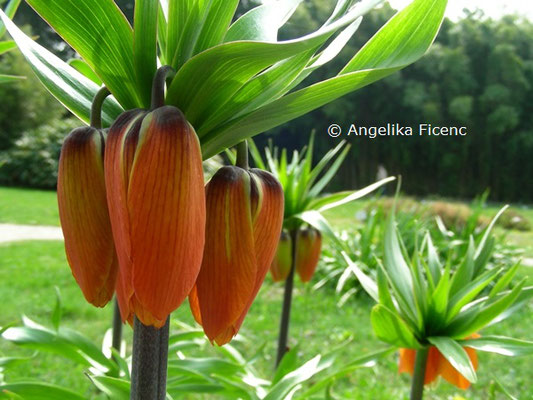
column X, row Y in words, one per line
column 244, row 218
column 437, row 365
column 308, row 247
column 84, row 217
column 156, row 200
column 281, row 265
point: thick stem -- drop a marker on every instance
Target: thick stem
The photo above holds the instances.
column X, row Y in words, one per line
column 117, row 328
column 158, row 86
column 149, row 364
column 287, row 301
column 417, row 387
column 96, row 108
column 242, row 155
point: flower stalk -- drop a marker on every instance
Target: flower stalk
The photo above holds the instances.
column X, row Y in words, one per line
column 417, row 386
column 149, row 363
column 96, row 108
column 117, row 328
column 287, row 301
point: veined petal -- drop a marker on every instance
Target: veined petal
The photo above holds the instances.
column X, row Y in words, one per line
column 267, row 228
column 308, row 247
column 84, row 216
column 118, row 162
column 407, row 363
column 281, row 265
column 166, row 209
column 229, row 268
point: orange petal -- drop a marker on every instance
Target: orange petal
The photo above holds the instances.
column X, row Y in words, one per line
column 228, row 274
column 407, row 363
column 118, row 162
column 84, row 216
column 448, row 372
column 309, row 245
column 166, row 205
column 281, row 265
column 195, row 305
column 267, row 228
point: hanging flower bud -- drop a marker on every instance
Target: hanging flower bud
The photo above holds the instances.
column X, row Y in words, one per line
column 281, row 265
column 84, row 217
column 308, row 247
column 244, row 218
column 156, row 202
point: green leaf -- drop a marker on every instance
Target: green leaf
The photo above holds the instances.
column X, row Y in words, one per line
column 486, row 244
column 145, row 46
column 281, row 389
column 465, row 271
column 216, row 24
column 502, row 345
column 10, row 78
column 465, row 324
column 504, row 280
column 7, row 45
column 367, row 360
column 263, row 22
column 412, row 30
column 208, row 80
column 332, row 170
column 288, row 363
column 366, row 282
column 39, row 391
column 100, row 33
column 456, row 355
column 114, row 388
column 390, row 328
column 10, row 11
column 71, row 88
column 469, row 292
column 323, row 203
column 82, row 67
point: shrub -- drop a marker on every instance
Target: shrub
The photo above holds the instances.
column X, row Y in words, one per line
column 33, row 160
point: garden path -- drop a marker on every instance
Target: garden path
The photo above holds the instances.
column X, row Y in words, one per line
column 13, row 233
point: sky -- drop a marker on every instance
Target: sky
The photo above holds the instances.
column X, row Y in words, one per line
column 492, row 8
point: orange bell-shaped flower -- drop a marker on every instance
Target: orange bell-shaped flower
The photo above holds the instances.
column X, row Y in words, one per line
column 156, row 200
column 281, row 265
column 308, row 247
column 84, row 217
column 244, row 218
column 437, row 365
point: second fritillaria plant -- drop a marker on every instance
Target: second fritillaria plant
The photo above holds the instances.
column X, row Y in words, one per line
column 434, row 311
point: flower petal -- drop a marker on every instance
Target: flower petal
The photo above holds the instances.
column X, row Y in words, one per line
column 227, row 277
column 120, row 149
column 166, row 205
column 309, row 245
column 84, row 215
column 281, row 265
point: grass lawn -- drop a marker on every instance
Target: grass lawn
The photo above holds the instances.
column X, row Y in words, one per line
column 32, row 207
column 30, row 270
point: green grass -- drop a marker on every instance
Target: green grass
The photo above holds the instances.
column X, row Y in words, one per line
column 30, row 270
column 25, row 206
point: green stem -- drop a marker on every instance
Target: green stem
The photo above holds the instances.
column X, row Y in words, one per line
column 96, row 108
column 149, row 363
column 287, row 301
column 163, row 74
column 117, row 328
column 242, row 155
column 417, row 387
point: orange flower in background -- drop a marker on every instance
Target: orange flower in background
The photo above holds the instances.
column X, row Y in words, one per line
column 437, row 365
column 84, row 217
column 156, row 199
column 281, row 265
column 308, row 247
column 244, row 218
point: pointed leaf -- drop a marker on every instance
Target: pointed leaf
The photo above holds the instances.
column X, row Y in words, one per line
column 82, row 67
column 390, row 328
column 502, row 345
column 71, row 88
column 456, row 355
